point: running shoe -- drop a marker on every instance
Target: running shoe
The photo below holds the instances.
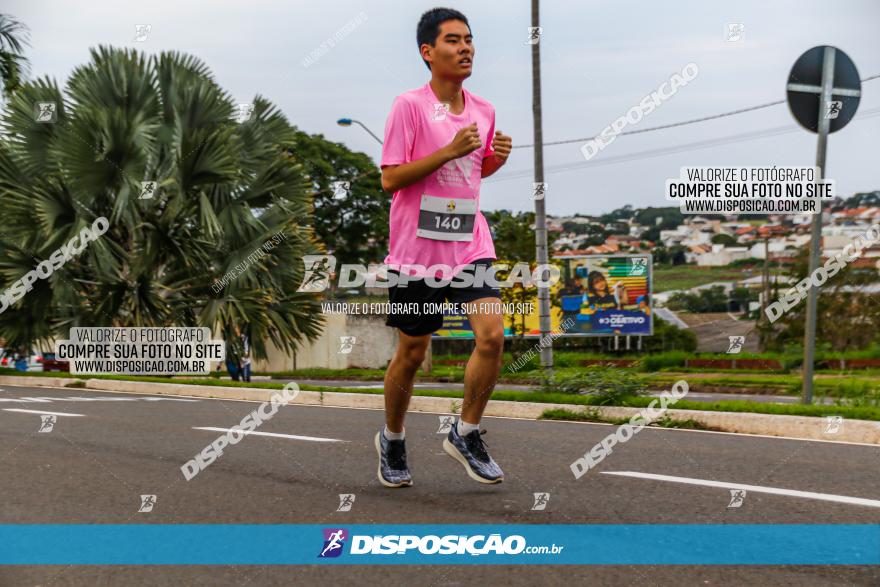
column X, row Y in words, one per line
column 393, row 471
column 471, row 452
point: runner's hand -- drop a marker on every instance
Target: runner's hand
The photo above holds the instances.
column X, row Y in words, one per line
column 466, row 140
column 501, row 144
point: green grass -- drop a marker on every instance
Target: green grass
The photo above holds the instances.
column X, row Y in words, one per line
column 592, row 415
column 833, row 385
column 857, row 413
column 686, row 277
column 841, row 386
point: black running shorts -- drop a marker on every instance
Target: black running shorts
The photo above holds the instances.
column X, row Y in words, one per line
column 417, row 293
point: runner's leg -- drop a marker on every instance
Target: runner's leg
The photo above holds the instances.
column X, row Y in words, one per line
column 399, row 377
column 484, row 364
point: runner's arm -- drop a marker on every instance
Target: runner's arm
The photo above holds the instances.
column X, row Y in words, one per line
column 396, row 177
column 491, row 164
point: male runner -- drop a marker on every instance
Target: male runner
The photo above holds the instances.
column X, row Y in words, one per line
column 437, row 147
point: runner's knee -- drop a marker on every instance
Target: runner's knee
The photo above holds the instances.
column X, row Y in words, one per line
column 492, row 342
column 412, row 353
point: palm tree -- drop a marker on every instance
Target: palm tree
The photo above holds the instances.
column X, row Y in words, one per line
column 13, row 38
column 224, row 189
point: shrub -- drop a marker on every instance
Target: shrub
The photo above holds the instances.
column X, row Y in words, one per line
column 609, row 384
column 660, row 361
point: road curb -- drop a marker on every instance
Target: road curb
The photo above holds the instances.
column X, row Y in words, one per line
column 803, row 427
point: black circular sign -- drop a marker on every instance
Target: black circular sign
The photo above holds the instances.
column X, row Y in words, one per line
column 804, row 89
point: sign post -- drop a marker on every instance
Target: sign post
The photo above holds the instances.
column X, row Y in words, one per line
column 823, row 95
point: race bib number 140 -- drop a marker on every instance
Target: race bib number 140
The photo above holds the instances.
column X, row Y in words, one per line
column 447, row 219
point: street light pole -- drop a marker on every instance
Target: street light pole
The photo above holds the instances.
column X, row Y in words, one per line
column 350, row 121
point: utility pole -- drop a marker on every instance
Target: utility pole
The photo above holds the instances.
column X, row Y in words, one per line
column 540, row 210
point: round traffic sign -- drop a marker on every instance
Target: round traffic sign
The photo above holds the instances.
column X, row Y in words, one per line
column 805, row 89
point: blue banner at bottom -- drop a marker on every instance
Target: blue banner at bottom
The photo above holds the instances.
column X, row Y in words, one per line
column 444, row 544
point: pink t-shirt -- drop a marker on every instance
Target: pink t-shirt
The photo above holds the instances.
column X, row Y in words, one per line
column 416, row 128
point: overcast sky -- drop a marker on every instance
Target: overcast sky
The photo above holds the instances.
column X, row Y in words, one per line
column 598, row 60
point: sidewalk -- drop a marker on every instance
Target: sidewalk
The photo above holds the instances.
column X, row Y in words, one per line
column 799, row 427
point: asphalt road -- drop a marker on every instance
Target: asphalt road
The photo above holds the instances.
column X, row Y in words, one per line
column 93, row 468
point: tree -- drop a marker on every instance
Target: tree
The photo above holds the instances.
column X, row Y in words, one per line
column 709, row 299
column 670, row 217
column 847, row 315
column 513, row 235
column 723, row 239
column 352, row 222
column 13, row 64
column 224, row 189
column 617, row 215
column 863, row 199
column 669, row 256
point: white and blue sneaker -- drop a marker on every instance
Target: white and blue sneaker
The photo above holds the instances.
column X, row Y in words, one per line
column 471, row 452
column 393, row 471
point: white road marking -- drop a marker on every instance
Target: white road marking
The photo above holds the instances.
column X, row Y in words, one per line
column 273, row 434
column 754, row 488
column 49, row 400
column 41, row 412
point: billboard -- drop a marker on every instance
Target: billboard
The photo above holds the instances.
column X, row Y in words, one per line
column 597, row 295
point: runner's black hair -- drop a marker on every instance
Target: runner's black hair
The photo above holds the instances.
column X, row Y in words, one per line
column 429, row 26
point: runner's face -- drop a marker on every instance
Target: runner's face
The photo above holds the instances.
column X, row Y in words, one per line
column 453, row 52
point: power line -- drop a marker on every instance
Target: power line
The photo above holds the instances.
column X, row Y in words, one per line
column 737, row 138
column 674, row 124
